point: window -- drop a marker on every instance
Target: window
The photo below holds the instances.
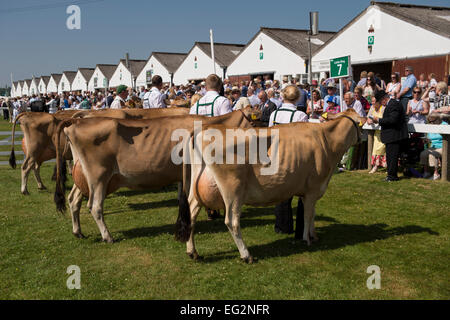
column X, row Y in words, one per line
column 95, row 82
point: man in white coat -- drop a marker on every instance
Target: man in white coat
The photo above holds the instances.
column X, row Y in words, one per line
column 156, row 98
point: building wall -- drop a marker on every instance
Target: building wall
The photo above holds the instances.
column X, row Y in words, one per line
column 394, row 39
column 18, row 91
column 79, row 83
column 52, row 86
column 157, row 69
column 25, row 89
column 249, row 60
column 438, row 65
column 100, row 79
column 42, row 87
column 64, row 85
column 121, row 76
column 189, row 71
column 33, row 88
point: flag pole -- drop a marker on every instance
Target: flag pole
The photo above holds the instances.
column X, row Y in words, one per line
column 212, row 49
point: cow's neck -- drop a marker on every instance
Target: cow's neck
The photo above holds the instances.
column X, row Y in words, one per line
column 341, row 134
column 232, row 119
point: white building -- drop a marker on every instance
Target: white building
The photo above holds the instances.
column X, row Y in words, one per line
column 386, row 37
column 43, row 82
column 101, row 76
column 81, row 80
column 276, row 52
column 126, row 73
column 13, row 89
column 198, row 64
column 26, row 87
column 163, row 64
column 34, row 89
column 65, row 84
column 52, row 86
column 18, row 89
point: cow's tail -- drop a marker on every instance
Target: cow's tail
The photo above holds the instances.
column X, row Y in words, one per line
column 12, row 156
column 59, row 197
column 183, row 224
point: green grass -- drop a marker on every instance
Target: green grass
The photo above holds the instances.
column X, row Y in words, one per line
column 402, row 227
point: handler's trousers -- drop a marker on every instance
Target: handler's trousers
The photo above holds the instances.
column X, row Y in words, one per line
column 284, row 221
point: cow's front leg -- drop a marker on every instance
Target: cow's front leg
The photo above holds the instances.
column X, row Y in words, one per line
column 37, row 175
column 312, row 227
column 309, row 213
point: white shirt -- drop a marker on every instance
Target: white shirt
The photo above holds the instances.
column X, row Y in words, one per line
column 145, row 103
column 254, row 100
column 116, row 104
column 221, row 105
column 156, row 99
column 285, row 116
column 357, row 106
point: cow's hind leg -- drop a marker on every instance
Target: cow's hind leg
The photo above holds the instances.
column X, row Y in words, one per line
column 99, row 194
column 308, row 204
column 75, row 200
column 232, row 221
column 312, row 228
column 194, row 208
column 37, row 175
column 25, row 171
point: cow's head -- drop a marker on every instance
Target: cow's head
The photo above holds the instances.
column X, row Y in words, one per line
column 350, row 114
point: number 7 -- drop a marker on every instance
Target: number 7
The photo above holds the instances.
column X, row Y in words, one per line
column 340, row 67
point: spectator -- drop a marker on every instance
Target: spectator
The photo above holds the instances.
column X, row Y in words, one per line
column 254, row 101
column 323, row 88
column 273, row 98
column 422, row 83
column 380, row 82
column 358, row 94
column 379, row 148
column 371, row 88
column 266, row 107
column 417, row 110
column 316, row 109
column 407, row 88
column 393, row 131
column 393, row 87
column 429, row 158
column 332, row 106
column 432, row 80
column 239, row 102
column 119, row 100
column 302, row 101
column 362, row 79
column 331, row 92
column 434, row 97
column 351, row 102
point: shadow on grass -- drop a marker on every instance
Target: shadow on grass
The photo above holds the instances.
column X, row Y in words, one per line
column 130, row 193
column 153, row 204
column 331, row 237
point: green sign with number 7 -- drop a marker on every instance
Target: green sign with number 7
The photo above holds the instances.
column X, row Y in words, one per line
column 340, row 67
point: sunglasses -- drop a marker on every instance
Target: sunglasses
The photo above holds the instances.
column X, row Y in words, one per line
column 416, row 91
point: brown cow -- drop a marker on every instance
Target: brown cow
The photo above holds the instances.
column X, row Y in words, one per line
column 132, row 113
column 302, row 163
column 37, row 144
column 115, row 153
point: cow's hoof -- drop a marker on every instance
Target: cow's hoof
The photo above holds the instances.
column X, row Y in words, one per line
column 195, row 256
column 109, row 240
column 42, row 188
column 248, row 260
column 25, row 193
column 79, row 235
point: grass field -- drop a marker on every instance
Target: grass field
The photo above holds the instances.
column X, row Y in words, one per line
column 402, row 227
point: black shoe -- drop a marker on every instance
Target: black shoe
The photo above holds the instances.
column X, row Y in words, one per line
column 278, row 230
column 389, row 179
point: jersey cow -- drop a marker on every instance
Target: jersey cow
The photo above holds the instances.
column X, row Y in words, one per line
column 38, row 143
column 300, row 160
column 113, row 153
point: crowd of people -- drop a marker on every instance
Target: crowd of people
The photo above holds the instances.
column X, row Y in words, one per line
column 419, row 98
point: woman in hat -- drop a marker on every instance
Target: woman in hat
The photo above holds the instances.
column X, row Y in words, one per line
column 332, row 106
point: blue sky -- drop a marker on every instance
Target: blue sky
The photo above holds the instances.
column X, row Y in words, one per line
column 35, row 41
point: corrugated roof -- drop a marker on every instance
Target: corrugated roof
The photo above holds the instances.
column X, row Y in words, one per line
column 107, row 69
column 434, row 19
column 46, row 79
column 224, row 53
column 170, row 60
column 70, row 75
column 28, row 82
column 296, row 40
column 56, row 77
column 86, row 73
column 136, row 66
